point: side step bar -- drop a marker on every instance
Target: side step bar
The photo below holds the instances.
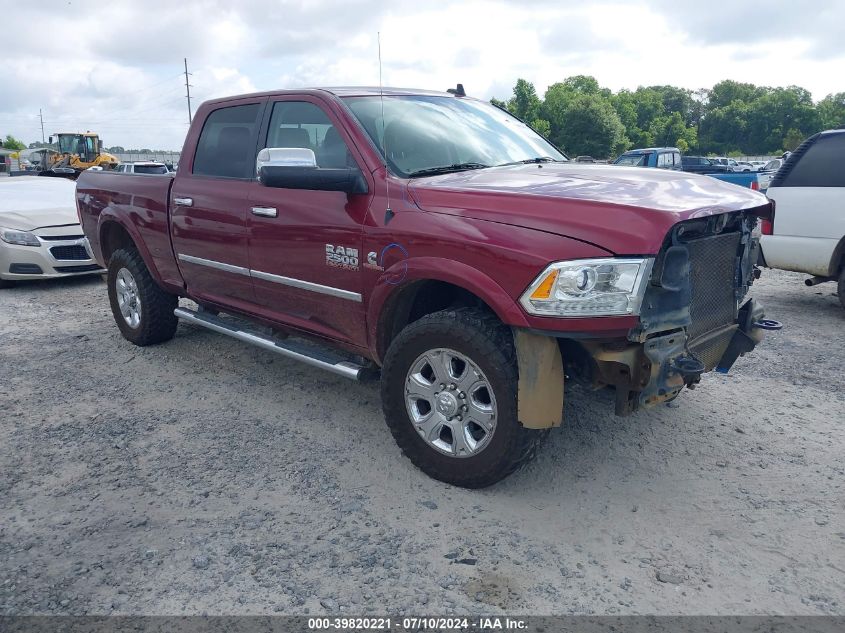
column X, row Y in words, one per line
column 322, row 359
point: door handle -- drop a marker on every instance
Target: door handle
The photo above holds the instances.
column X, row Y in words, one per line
column 184, row 202
column 267, row 212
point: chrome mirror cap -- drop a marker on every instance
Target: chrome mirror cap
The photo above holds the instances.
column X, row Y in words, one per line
column 285, row 157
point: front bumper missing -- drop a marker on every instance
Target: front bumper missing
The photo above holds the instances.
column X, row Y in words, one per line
column 656, row 370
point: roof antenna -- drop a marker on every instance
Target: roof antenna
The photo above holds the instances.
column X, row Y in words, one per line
column 388, row 212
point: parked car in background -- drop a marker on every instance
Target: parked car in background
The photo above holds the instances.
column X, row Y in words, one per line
column 40, row 236
column 143, row 167
column 757, row 164
column 730, row 163
column 702, row 165
column 807, row 234
column 765, row 175
column 660, row 157
column 744, row 166
column 466, row 285
column 585, row 159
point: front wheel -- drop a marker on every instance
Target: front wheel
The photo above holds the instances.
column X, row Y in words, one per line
column 840, row 287
column 449, row 392
column 142, row 310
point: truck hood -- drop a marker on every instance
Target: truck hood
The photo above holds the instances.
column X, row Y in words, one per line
column 626, row 210
column 31, row 202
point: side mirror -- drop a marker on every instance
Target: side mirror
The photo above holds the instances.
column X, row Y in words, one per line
column 296, row 168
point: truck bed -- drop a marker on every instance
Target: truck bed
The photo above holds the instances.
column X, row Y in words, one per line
column 141, row 203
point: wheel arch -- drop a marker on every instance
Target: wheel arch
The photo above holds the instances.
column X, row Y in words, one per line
column 428, row 285
column 114, row 234
column 837, row 260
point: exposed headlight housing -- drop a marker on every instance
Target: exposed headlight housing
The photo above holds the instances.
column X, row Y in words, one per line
column 23, row 238
column 589, row 287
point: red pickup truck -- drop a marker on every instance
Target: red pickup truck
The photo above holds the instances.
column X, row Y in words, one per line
column 439, row 241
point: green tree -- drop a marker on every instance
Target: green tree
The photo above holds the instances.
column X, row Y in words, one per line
column 832, row 111
column 12, row 143
column 590, row 126
column 525, row 103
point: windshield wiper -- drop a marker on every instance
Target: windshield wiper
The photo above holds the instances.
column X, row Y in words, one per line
column 531, row 161
column 445, row 169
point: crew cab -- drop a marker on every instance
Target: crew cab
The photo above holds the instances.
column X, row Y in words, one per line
column 808, row 233
column 437, row 241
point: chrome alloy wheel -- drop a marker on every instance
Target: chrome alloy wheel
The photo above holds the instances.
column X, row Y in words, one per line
column 450, row 402
column 128, row 298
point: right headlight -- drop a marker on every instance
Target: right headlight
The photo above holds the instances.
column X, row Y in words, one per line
column 23, row 238
column 589, row 287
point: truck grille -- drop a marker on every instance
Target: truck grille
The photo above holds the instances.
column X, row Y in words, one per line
column 713, row 263
column 75, row 252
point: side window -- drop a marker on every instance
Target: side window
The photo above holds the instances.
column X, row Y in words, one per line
column 664, row 161
column 226, row 148
column 303, row 124
column 677, row 158
column 821, row 165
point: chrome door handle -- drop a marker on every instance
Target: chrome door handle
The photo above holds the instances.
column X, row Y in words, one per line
column 267, row 212
column 184, row 202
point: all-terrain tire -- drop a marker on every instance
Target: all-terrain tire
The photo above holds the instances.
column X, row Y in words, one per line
column 157, row 322
column 840, row 287
column 482, row 338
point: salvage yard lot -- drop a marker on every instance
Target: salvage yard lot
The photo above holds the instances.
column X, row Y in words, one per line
column 204, row 476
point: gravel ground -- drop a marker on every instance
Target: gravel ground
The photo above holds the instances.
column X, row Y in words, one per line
column 205, row 476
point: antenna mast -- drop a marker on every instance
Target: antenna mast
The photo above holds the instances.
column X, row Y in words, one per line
column 188, row 89
column 388, row 212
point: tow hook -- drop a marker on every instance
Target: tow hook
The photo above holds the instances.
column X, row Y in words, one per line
column 689, row 367
column 768, row 324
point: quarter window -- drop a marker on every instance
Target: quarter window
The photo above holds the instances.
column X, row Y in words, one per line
column 822, row 165
column 664, row 161
column 226, row 148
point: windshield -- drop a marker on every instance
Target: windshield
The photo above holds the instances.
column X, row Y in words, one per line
column 150, row 169
column 423, row 133
column 634, row 160
column 71, row 144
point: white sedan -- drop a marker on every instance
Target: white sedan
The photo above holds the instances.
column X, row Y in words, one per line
column 40, row 236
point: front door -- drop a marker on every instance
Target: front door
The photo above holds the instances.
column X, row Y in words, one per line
column 305, row 246
column 209, row 207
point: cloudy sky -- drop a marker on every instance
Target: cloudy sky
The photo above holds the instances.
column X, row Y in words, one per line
column 114, row 67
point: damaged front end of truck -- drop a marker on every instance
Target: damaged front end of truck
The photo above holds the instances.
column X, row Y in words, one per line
column 694, row 317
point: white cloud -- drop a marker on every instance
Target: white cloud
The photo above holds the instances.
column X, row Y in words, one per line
column 115, row 67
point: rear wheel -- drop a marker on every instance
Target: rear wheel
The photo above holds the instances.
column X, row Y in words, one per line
column 142, row 310
column 449, row 386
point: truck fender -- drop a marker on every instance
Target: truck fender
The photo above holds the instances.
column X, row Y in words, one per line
column 398, row 275
column 109, row 215
column 540, row 388
column 453, row 272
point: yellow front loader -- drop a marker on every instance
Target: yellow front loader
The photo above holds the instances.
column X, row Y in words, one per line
column 78, row 152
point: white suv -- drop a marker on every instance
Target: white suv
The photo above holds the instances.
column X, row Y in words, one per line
column 808, row 232
column 143, row 167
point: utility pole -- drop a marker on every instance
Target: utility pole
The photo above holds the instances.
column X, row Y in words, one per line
column 41, row 118
column 188, row 90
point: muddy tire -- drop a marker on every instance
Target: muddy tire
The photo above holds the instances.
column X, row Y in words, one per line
column 449, row 393
column 142, row 310
column 840, row 286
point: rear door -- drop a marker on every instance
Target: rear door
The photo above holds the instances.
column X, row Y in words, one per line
column 305, row 246
column 209, row 206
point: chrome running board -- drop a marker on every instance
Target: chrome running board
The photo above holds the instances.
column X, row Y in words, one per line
column 324, row 359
